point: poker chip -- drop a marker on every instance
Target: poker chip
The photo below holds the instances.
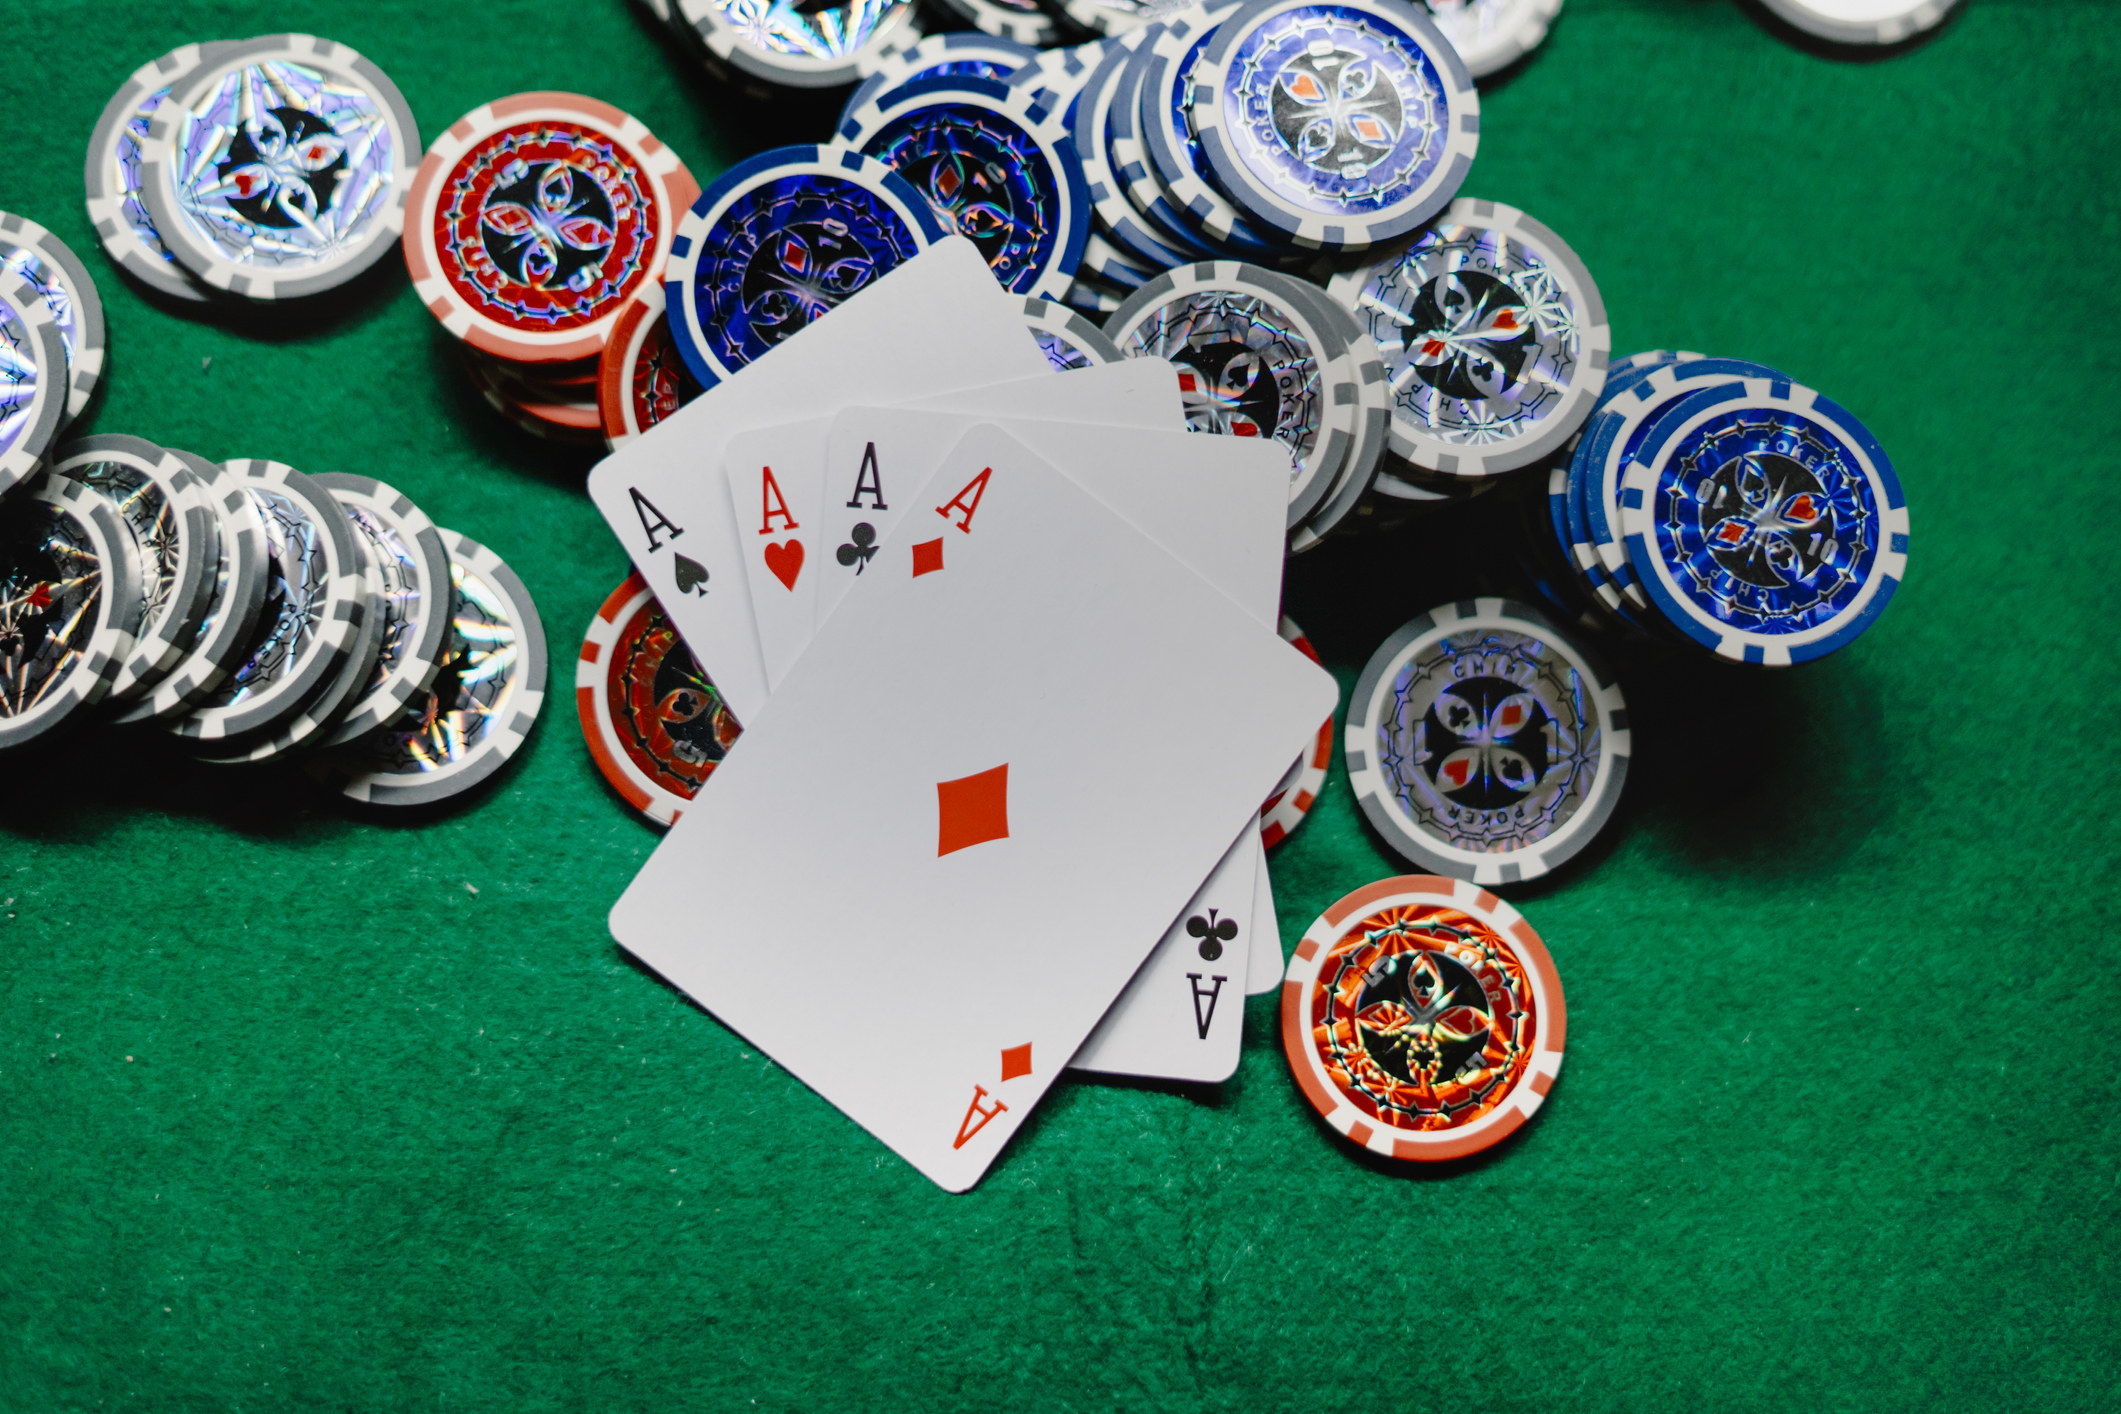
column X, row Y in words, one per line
column 123, row 224
column 1085, row 297
column 1253, row 360
column 486, row 252
column 1329, row 172
column 176, row 537
column 656, row 725
column 960, row 54
column 1119, row 17
column 69, row 603
column 558, row 412
column 1130, row 164
column 237, row 596
column 407, row 553
column 1485, row 744
column 316, row 598
column 1019, row 20
column 1090, row 127
column 995, row 166
column 1162, row 124
column 1494, row 335
column 1423, row 1018
column 812, row 46
column 1491, row 35
column 480, row 707
column 1112, row 265
column 1068, row 340
column 1057, row 75
column 278, row 168
column 33, row 387
column 641, row 377
column 1863, row 21
column 1362, row 468
column 45, row 263
column 1292, row 799
column 1765, row 522
column 776, row 242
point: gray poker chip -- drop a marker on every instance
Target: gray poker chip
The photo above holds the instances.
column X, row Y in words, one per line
column 69, row 291
column 1068, row 339
column 1863, row 21
column 479, row 710
column 1020, row 20
column 112, row 178
column 1485, row 744
column 32, row 380
column 820, row 46
column 163, row 506
column 315, row 598
column 415, row 602
column 236, row 596
column 280, row 166
column 1115, row 17
column 69, row 602
column 1373, row 427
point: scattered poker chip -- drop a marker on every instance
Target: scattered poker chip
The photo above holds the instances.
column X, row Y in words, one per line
column 1863, row 21
column 1068, row 339
column 1090, row 128
column 1119, row 17
column 1485, row 744
column 960, row 54
column 478, row 711
column 1423, row 1018
column 1057, row 75
column 316, row 597
column 656, row 724
column 123, row 224
column 1163, row 126
column 176, row 534
column 812, row 46
column 996, row 166
column 1112, row 265
column 1253, row 360
column 407, row 552
column 641, row 377
column 1494, row 335
column 1129, row 160
column 1491, row 35
column 1764, row 522
column 43, row 261
column 1363, row 467
column 69, row 603
column 238, row 586
column 1085, row 297
column 1292, row 799
column 278, row 168
column 33, row 387
column 1329, row 171
column 487, row 254
column 1019, row 20
column 779, row 240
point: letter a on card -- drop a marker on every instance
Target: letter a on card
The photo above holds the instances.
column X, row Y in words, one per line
column 775, row 476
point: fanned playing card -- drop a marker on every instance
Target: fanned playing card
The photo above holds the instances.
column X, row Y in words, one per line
column 775, row 476
column 920, row 896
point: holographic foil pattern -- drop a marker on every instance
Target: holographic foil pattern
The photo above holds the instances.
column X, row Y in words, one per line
column 398, row 569
column 784, row 252
column 51, row 585
column 986, row 178
column 1424, row 1017
column 297, row 578
column 153, row 522
column 1491, row 740
column 1480, row 337
column 1766, row 521
column 1063, row 355
column 1243, row 369
column 661, row 382
column 18, row 378
column 546, row 226
column 811, row 29
column 1335, row 109
column 472, row 695
column 669, row 718
column 125, row 163
column 51, row 287
column 281, row 166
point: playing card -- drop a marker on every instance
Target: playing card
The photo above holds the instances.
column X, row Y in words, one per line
column 931, row 325
column 775, row 477
column 1263, row 971
column 920, row 896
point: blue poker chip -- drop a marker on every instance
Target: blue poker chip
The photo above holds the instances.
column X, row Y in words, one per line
column 1765, row 523
column 1339, row 125
column 1129, row 160
column 997, row 167
column 1163, row 125
column 960, row 54
column 1091, row 126
column 776, row 242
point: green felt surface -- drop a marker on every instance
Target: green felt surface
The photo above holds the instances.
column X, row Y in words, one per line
column 304, row 1110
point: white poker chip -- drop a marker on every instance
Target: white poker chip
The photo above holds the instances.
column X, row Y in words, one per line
column 112, row 178
column 69, row 602
column 69, row 291
column 1863, row 21
column 817, row 46
column 33, row 383
column 1491, row 35
column 1068, row 339
column 415, row 599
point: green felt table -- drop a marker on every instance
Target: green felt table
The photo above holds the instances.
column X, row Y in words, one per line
column 301, row 1109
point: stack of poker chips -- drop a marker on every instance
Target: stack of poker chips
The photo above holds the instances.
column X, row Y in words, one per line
column 251, row 172
column 537, row 230
column 52, row 344
column 254, row 613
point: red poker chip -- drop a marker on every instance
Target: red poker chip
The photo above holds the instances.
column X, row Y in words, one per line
column 641, row 378
column 533, row 219
column 1292, row 800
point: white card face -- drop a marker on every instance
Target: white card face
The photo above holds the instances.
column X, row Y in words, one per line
column 891, row 901
column 775, row 476
column 929, row 326
column 1263, row 972
column 877, row 455
column 1182, row 1016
